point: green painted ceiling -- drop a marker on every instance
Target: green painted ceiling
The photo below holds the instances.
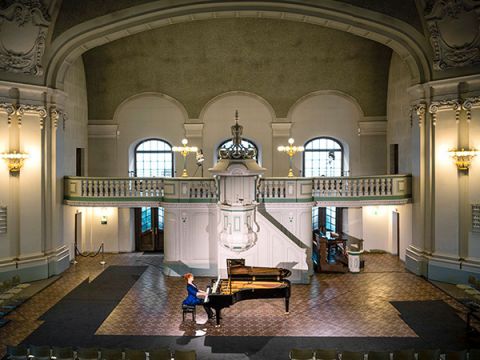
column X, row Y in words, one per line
column 279, row 60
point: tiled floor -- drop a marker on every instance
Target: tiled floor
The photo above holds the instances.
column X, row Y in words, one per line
column 346, row 305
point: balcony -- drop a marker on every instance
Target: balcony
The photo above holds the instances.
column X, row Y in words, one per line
column 331, row 191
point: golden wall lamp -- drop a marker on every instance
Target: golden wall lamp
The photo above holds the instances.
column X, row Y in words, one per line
column 463, row 158
column 14, row 160
column 184, row 150
column 291, row 150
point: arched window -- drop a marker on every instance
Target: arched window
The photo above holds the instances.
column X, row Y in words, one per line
column 323, row 156
column 153, row 158
column 245, row 143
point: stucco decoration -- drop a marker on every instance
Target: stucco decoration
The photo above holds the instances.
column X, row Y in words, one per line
column 454, row 27
column 23, row 30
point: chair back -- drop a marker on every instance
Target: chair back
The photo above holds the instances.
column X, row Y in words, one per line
column 456, row 355
column 428, row 354
column 407, row 354
column 378, row 355
column 111, row 354
column 160, row 354
column 40, row 352
column 131, row 354
column 63, row 353
column 301, row 354
column 19, row 352
column 185, row 355
column 87, row 354
column 326, row 354
column 353, row 355
column 474, row 354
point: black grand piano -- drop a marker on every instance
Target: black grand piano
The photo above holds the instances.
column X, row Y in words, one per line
column 248, row 282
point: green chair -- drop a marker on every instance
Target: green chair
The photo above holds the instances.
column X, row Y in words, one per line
column 19, row 352
column 456, row 355
column 111, row 354
column 301, row 354
column 185, row 355
column 131, row 354
column 40, row 352
column 378, row 355
column 326, row 354
column 63, row 353
column 160, row 354
column 474, row 354
column 353, row 355
column 406, row 354
column 428, row 354
column 87, row 354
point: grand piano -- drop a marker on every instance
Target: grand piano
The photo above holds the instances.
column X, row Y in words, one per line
column 248, row 282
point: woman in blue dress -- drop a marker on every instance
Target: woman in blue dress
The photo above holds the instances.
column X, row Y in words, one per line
column 196, row 296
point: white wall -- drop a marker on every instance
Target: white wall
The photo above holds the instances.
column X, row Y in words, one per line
column 75, row 135
column 255, row 115
column 446, row 187
column 334, row 114
column 399, row 130
column 352, row 222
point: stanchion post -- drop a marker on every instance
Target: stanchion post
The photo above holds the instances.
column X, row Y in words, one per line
column 103, row 258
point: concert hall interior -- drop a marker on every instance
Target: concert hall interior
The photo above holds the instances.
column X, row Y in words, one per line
column 313, row 164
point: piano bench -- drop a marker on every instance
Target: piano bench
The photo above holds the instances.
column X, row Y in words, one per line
column 189, row 309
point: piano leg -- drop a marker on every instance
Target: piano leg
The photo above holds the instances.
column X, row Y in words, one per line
column 287, row 301
column 217, row 317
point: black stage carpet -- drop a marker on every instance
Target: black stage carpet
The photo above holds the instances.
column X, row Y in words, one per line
column 75, row 318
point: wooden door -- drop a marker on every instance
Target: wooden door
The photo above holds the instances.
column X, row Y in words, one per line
column 148, row 229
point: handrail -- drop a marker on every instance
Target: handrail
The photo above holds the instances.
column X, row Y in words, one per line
column 129, row 190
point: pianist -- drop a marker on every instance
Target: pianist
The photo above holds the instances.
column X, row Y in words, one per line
column 196, row 296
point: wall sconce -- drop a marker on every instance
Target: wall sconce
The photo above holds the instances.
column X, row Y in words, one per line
column 104, row 218
column 14, row 160
column 463, row 158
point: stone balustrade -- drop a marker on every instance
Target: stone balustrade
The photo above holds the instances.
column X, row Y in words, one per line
column 378, row 189
column 332, row 191
column 135, row 191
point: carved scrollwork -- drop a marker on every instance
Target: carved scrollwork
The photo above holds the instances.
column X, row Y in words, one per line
column 56, row 114
column 40, row 110
column 10, row 110
column 419, row 110
column 23, row 30
column 454, row 27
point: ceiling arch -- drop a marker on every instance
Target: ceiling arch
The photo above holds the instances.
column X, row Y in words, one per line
column 396, row 34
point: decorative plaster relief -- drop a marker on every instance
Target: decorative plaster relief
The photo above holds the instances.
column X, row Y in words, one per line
column 9, row 109
column 40, row 110
column 419, row 110
column 454, row 27
column 36, row 109
column 23, row 30
column 469, row 104
column 435, row 106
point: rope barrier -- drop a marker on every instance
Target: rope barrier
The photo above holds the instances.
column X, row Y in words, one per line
column 101, row 250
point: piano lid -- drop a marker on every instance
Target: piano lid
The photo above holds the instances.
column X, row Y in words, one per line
column 236, row 269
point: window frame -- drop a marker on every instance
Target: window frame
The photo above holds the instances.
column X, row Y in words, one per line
column 342, row 151
column 135, row 151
